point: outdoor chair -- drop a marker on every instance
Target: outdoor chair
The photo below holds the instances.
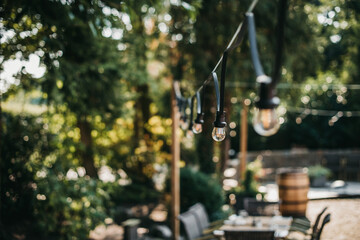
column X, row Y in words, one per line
column 316, row 236
column 249, row 235
column 260, row 208
column 206, row 227
column 303, row 225
column 130, row 229
column 191, row 226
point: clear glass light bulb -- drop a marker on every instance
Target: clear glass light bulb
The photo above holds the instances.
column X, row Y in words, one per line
column 189, row 134
column 218, row 134
column 184, row 125
column 197, row 128
column 266, row 122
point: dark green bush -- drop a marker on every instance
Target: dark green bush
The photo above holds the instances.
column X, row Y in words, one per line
column 248, row 189
column 21, row 138
column 37, row 201
column 121, row 198
column 199, row 187
column 67, row 209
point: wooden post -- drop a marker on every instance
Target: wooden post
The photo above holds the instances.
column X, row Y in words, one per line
column 175, row 171
column 243, row 141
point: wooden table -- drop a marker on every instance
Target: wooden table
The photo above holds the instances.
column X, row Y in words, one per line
column 278, row 224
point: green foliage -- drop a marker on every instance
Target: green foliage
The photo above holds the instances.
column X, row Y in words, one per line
column 22, row 138
column 37, row 199
column 133, row 193
column 249, row 186
column 320, row 38
column 67, row 208
column 199, row 187
column 107, row 99
column 318, row 171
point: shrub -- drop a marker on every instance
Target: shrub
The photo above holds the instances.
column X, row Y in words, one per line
column 121, row 197
column 199, row 187
column 21, row 138
column 318, row 170
column 249, row 186
column 67, row 209
column 37, row 201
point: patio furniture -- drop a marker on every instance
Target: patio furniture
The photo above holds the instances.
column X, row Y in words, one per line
column 200, row 215
column 206, row 227
column 192, row 230
column 130, row 229
column 303, row 224
column 191, row 226
column 319, row 231
column 250, row 235
column 260, row 208
column 257, row 227
column 317, row 221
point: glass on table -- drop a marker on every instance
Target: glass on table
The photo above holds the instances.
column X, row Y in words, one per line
column 243, row 213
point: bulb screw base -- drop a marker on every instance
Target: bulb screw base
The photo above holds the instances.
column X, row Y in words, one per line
column 220, row 121
column 199, row 118
column 266, row 98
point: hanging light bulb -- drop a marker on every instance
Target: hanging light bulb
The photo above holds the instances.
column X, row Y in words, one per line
column 219, row 132
column 198, row 123
column 189, row 134
column 197, row 128
column 184, row 123
column 265, row 121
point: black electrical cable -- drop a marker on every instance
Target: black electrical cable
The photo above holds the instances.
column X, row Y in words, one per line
column 198, row 103
column 217, row 91
column 235, row 42
column 253, row 46
column 191, row 112
column 222, row 84
column 280, row 42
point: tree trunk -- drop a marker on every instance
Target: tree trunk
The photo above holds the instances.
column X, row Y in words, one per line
column 224, row 156
column 87, row 154
column 145, row 101
column 142, row 115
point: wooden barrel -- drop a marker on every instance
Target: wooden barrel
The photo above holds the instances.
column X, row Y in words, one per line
column 293, row 190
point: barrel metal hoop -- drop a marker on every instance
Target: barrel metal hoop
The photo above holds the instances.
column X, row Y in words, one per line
column 293, row 202
column 293, row 187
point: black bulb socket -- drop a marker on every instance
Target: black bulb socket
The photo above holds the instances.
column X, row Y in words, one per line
column 220, row 121
column 266, row 98
column 199, row 118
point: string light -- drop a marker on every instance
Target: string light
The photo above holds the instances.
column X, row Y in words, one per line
column 199, row 121
column 190, row 133
column 266, row 122
column 184, row 124
column 219, row 132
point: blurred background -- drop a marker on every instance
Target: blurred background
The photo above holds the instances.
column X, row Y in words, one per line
column 85, row 117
